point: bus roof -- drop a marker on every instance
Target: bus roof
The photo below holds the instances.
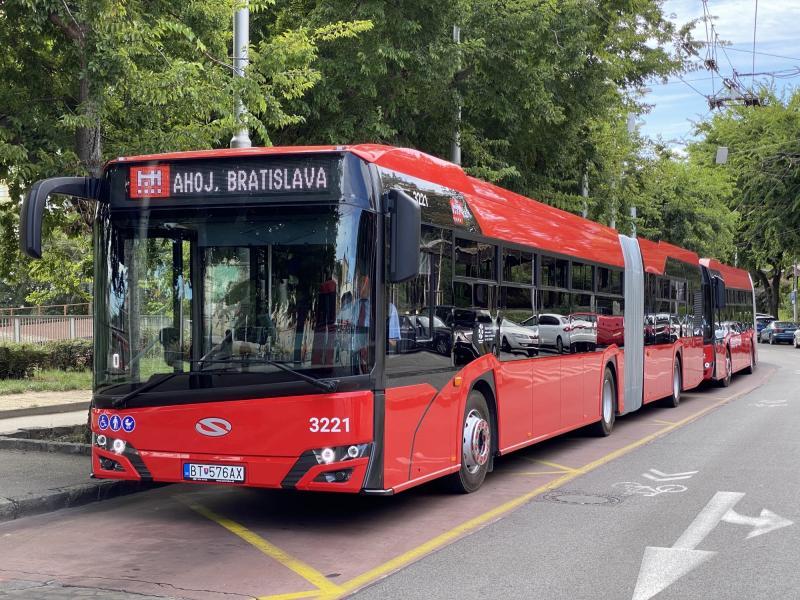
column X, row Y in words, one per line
column 732, row 276
column 497, row 210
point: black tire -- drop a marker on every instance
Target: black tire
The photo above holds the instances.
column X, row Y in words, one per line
column 504, row 345
column 677, row 384
column 608, row 405
column 752, row 366
column 729, row 364
column 559, row 345
column 476, row 445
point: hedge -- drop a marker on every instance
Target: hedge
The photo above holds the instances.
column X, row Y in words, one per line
column 18, row 361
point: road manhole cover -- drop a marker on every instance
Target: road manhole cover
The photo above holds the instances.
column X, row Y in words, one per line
column 580, row 498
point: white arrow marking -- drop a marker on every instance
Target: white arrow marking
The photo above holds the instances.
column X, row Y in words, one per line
column 764, row 523
column 661, row 567
column 659, row 476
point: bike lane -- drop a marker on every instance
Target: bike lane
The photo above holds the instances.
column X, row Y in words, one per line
column 223, row 542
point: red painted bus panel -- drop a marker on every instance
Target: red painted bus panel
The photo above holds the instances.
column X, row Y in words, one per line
column 572, row 389
column 546, row 396
column 405, row 407
column 655, row 254
column 693, row 360
column 435, row 444
column 266, row 435
column 515, row 402
column 658, row 371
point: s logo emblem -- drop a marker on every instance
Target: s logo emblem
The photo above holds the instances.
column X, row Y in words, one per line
column 213, row 427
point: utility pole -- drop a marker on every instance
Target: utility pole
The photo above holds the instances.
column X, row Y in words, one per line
column 455, row 151
column 794, row 288
column 241, row 58
column 585, row 192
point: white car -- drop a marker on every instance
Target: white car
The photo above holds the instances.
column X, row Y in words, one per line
column 797, row 338
column 554, row 330
column 516, row 338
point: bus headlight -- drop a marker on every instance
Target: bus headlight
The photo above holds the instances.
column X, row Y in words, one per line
column 326, row 456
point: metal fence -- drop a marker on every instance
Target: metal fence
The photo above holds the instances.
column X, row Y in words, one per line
column 30, row 329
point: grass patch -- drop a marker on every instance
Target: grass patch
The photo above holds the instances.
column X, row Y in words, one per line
column 48, row 380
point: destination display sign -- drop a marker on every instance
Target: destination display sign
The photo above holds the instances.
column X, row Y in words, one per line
column 256, row 176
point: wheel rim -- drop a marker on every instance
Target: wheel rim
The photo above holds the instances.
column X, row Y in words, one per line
column 476, row 441
column 608, row 401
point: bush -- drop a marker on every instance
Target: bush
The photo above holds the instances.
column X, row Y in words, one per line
column 19, row 361
column 70, row 355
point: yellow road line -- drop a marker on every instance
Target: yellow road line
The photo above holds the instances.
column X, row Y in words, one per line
column 291, row 596
column 540, row 472
column 495, row 513
column 304, row 570
column 547, row 463
column 663, row 422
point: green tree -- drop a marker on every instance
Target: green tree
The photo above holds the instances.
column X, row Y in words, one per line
column 87, row 80
column 538, row 82
column 764, row 161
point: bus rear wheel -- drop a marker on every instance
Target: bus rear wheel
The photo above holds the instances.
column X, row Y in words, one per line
column 608, row 405
column 677, row 383
column 726, row 381
column 476, row 445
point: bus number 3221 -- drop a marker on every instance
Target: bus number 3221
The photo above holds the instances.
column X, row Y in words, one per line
column 326, row 425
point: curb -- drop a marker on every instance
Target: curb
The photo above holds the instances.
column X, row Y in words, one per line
column 14, row 443
column 44, row 410
column 67, row 497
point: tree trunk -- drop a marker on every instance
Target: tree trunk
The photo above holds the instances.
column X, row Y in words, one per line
column 88, row 140
column 776, row 290
column 762, row 278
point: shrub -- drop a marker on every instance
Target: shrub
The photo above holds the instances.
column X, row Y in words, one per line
column 69, row 355
column 18, row 361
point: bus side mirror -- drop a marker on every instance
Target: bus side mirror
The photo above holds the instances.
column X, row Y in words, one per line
column 30, row 218
column 404, row 233
column 719, row 293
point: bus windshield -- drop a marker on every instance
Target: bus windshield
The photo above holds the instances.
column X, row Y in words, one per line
column 216, row 297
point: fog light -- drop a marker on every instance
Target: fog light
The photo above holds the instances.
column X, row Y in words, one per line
column 353, row 452
column 101, row 440
column 328, row 455
column 118, row 446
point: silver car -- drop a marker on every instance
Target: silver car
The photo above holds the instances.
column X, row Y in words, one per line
column 518, row 338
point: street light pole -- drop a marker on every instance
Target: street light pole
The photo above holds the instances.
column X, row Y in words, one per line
column 241, row 58
column 455, row 150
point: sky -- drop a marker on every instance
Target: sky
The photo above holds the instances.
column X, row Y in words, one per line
column 677, row 105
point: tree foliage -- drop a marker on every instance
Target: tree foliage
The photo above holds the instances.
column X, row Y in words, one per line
column 764, row 162
column 88, row 80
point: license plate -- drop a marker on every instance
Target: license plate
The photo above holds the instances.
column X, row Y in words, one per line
column 220, row 473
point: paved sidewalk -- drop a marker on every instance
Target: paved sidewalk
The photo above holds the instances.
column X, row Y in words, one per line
column 38, row 403
column 12, row 424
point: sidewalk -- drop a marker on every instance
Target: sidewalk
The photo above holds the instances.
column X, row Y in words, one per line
column 34, row 480
column 39, row 403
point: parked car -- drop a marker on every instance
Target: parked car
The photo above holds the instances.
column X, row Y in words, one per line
column 554, row 330
column 519, row 338
column 778, row 332
column 762, row 321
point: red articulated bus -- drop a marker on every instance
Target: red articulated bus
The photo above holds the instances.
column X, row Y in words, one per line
column 367, row 318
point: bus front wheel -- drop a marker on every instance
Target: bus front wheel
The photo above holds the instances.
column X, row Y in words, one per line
column 476, row 445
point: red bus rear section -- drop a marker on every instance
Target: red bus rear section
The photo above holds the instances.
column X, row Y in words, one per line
column 364, row 319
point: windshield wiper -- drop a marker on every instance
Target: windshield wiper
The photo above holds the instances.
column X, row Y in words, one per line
column 326, row 385
column 154, row 382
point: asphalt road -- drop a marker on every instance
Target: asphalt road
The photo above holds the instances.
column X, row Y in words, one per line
column 588, row 540
column 575, row 517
